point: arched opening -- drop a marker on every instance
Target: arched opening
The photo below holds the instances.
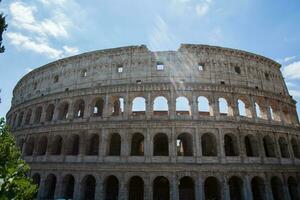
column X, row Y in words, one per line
column 42, row 146
column 56, row 145
column 186, row 188
column 138, row 106
column 183, row 106
column 98, row 107
column 161, row 188
column 184, row 145
column 258, row 188
column 137, row 145
column 275, row 111
column 29, row 146
column 260, row 110
column 204, row 107
column 111, row 188
column 38, row 114
column 293, row 188
column 49, row 112
column 79, row 109
column 223, row 107
column 118, row 106
column 50, row 185
column 73, row 145
column 295, row 147
column 93, row 145
column 68, row 187
column 88, row 187
column 277, row 188
column 242, row 108
column 20, row 119
column 63, row 111
column 160, row 145
column 231, row 145
column 28, row 117
column 160, row 106
column 212, row 189
column 236, row 188
column 269, row 146
column 286, row 115
column 136, row 188
column 115, row 145
column 209, row 145
column 251, row 146
column 283, row 146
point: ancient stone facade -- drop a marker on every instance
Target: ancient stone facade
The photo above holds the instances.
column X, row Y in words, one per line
column 202, row 122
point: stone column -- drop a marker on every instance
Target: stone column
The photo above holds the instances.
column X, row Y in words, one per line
column 199, row 189
column 106, row 108
column 252, row 108
column 269, row 194
column 58, row 187
column 172, row 105
column 77, row 188
column 104, row 142
column 99, row 188
column 221, row 146
column 226, row 194
column 126, row 107
column 87, row 108
column 71, row 110
column 147, row 146
column 174, row 188
column 215, row 107
column 123, row 190
column 172, row 145
column 194, row 107
column 247, row 188
column 41, row 188
column 149, row 106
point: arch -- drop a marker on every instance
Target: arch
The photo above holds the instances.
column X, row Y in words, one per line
column 186, row 188
column 118, row 106
column 138, row 106
column 260, row 110
column 209, row 144
column 283, row 146
column 49, row 112
column 251, row 146
column 38, row 114
column 79, row 108
column 160, row 106
column 50, row 184
column 244, row 107
column 63, row 111
column 92, row 147
column 235, row 188
column 277, row 188
column 184, row 145
column 231, row 145
column 183, row 106
column 274, row 110
column 293, row 188
column 28, row 117
column 42, row 146
column 286, row 115
column 212, row 189
column 161, row 188
column 98, row 107
column 88, row 187
column 269, row 146
column 295, row 147
column 56, row 145
column 20, row 119
column 223, row 107
column 258, row 188
column 204, row 107
column 29, row 146
column 111, row 188
column 68, row 186
column 136, row 188
column 160, row 145
column 72, row 147
column 137, row 145
column 115, row 145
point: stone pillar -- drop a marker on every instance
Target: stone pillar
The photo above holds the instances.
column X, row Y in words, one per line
column 41, row 194
column 58, row 187
column 123, row 190
column 99, row 188
column 221, row 145
column 199, row 189
column 172, row 145
column 194, row 107
column 147, row 146
column 286, row 191
column 247, row 188
column 172, row 105
column 106, row 108
column 252, row 107
column 104, row 142
column 126, row 107
column 215, row 107
column 226, row 194
column 149, row 106
column 71, row 110
column 269, row 194
column 43, row 116
column 87, row 108
column 174, row 188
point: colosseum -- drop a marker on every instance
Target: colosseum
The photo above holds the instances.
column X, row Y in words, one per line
column 202, row 122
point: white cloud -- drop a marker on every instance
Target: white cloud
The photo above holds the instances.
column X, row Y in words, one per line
column 295, row 93
column 70, row 50
column 292, row 71
column 55, row 2
column 28, row 69
column 203, row 7
column 286, row 59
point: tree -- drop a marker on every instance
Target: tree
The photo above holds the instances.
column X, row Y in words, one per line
column 14, row 184
column 3, row 27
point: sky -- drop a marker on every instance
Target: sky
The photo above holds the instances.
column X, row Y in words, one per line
column 41, row 31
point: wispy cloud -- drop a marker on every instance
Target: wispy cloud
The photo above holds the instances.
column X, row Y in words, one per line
column 292, row 71
column 203, row 7
column 286, row 59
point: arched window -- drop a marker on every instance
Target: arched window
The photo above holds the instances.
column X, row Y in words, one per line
column 286, row 115
column 56, row 145
column 184, row 145
column 137, row 145
column 284, row 150
column 209, row 145
column 20, row 118
column 63, row 111
column 258, row 188
column 251, row 146
column 93, row 145
column 212, row 189
column 275, row 111
column 186, row 188
column 38, row 114
column 293, row 188
column 230, row 145
column 118, row 106
column 68, row 186
column 111, row 188
column 161, row 188
column 50, row 185
column 277, row 188
column 160, row 145
column 79, row 109
column 88, row 187
column 73, row 145
column 236, row 188
column 49, row 112
column 242, row 108
column 295, row 147
column 28, row 117
column 160, row 106
column 260, row 110
column 204, row 107
column 42, row 146
column 98, row 107
column 29, row 146
column 223, row 107
column 138, row 106
column 269, row 146
column 182, row 106
column 136, row 188
column 115, row 145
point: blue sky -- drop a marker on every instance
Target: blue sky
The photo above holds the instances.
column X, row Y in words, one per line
column 42, row 31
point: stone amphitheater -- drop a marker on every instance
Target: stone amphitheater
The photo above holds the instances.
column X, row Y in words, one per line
column 202, row 122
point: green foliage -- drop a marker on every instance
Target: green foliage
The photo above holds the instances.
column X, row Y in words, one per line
column 3, row 27
column 14, row 184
